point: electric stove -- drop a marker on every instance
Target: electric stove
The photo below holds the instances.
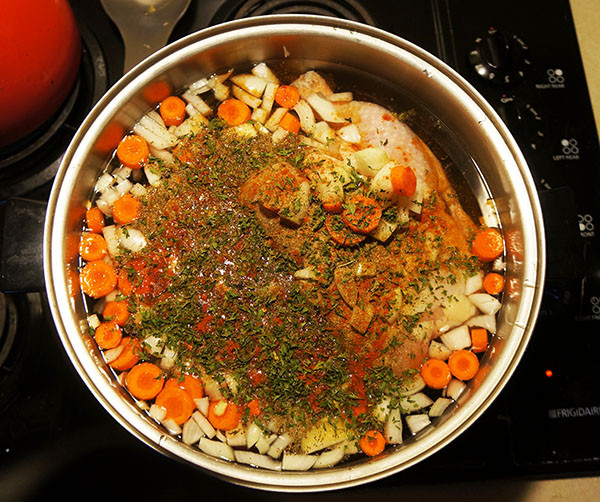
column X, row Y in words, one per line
column 55, row 437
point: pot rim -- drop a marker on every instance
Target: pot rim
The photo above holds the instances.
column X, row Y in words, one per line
column 125, row 412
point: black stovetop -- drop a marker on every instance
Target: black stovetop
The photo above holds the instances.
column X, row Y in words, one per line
column 52, row 431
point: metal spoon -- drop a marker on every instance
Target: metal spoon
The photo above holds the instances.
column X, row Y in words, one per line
column 145, row 25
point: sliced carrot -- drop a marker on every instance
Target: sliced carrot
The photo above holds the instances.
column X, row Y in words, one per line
column 479, row 339
column 128, row 357
column 287, row 96
column 116, row 311
column 340, row 233
column 333, row 205
column 133, row 151
column 94, row 219
column 404, row 180
column 109, row 138
column 254, row 408
column 493, row 283
column 123, row 283
column 463, row 364
column 145, row 380
column 372, row 443
column 234, row 112
column 108, row 335
column 126, row 209
column 92, row 246
column 488, row 244
column 172, row 110
column 156, row 91
column 290, row 123
column 191, row 384
column 223, row 415
column 436, row 373
column 361, row 214
column 178, row 403
column 97, row 278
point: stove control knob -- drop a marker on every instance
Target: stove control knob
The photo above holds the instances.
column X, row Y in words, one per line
column 500, row 56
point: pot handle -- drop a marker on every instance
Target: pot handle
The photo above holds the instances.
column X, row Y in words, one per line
column 21, row 245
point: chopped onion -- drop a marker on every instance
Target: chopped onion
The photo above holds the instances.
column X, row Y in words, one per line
column 412, row 385
column 473, row 284
column 202, row 403
column 199, row 86
column 393, row 427
column 273, row 122
column 279, row 445
column 329, row 458
column 172, row 426
column 157, row 412
column 93, row 321
column 246, row 97
column 269, row 97
column 152, row 175
column 168, row 359
column 297, row 462
column 439, row 406
column 122, row 173
column 113, row 239
column 154, row 344
column 216, row 449
column 340, row 97
column 138, row 190
column 212, row 389
column 197, row 103
column 104, row 182
column 123, row 187
column 323, row 133
column 104, row 206
column 191, row 432
column 263, row 71
column 486, row 303
column 325, row 109
column 457, row 338
column 249, row 83
column 154, row 133
column 438, row 350
column 483, row 321
column 306, row 116
column 259, row 115
column 204, row 424
column 253, row 433
column 131, row 239
column 110, row 195
column 111, row 354
column 349, row 133
column 264, row 442
column 279, row 134
column 415, row 402
column 257, row 460
column 382, row 409
column 236, row 437
column 455, row 388
column 417, row 423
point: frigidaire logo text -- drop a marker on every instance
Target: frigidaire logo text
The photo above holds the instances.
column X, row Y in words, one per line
column 580, row 411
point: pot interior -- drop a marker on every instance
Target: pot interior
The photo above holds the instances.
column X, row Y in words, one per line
column 450, row 116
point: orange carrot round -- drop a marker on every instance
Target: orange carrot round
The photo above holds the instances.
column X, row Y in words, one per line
column 128, row 357
column 94, row 219
column 156, row 91
column 404, row 180
column 223, row 415
column 109, row 138
column 234, row 112
column 133, row 151
column 123, row 282
column 488, row 244
column 287, row 96
column 361, row 214
column 97, row 278
column 126, row 209
column 436, row 373
column 290, row 123
column 172, row 110
column 116, row 311
column 372, row 443
column 254, row 408
column 108, row 335
column 463, row 364
column 493, row 283
column 340, row 233
column 479, row 339
column 178, row 403
column 191, row 384
column 145, row 380
column 92, row 246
